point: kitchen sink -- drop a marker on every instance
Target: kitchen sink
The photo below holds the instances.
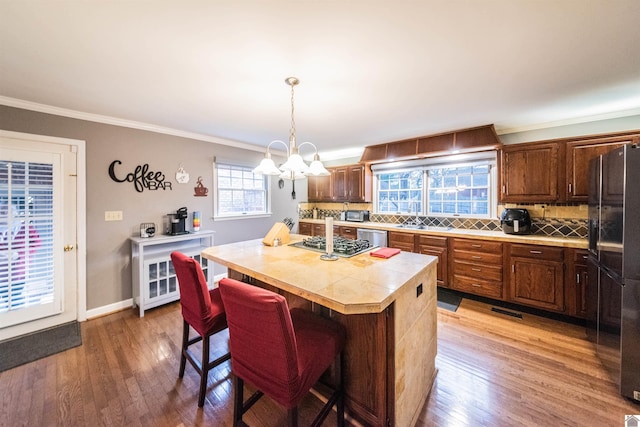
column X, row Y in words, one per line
column 424, row 227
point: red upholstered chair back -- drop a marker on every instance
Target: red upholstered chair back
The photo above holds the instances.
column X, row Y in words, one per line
column 262, row 339
column 197, row 308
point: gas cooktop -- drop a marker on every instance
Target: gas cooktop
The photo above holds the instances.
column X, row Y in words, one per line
column 341, row 247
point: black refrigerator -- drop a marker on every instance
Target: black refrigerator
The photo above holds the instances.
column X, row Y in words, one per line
column 613, row 289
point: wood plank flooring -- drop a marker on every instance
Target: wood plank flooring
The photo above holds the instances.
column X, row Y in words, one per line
column 494, row 370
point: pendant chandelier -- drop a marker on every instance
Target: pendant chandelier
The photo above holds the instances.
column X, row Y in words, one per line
column 294, row 167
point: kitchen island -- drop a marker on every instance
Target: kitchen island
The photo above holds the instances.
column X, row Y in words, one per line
column 388, row 307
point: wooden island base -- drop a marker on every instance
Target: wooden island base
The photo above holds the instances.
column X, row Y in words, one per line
column 388, row 307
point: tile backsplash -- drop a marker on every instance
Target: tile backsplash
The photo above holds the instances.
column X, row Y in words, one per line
column 543, row 220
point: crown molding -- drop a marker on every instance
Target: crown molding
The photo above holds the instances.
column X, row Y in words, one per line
column 64, row 112
column 567, row 122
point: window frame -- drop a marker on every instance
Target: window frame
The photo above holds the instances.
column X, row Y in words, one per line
column 217, row 216
column 424, row 165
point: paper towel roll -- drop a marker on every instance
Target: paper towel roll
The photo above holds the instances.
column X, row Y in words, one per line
column 328, row 232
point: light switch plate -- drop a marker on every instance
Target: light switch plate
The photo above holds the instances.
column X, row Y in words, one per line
column 113, row 215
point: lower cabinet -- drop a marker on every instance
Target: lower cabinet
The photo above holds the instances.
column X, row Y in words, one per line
column 576, row 282
column 435, row 246
column 305, row 228
column 537, row 276
column 476, row 267
column 401, row 240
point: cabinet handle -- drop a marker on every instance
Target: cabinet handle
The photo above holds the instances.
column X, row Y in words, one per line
column 578, row 278
column 476, row 269
column 536, row 252
column 513, row 268
column 504, row 188
column 476, row 246
column 476, row 257
column 570, row 187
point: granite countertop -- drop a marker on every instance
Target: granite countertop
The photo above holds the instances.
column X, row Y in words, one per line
column 357, row 285
column 532, row 239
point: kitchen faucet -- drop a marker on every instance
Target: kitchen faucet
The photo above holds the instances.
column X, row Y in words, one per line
column 416, row 220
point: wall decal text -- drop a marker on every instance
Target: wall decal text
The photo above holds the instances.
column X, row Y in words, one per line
column 141, row 177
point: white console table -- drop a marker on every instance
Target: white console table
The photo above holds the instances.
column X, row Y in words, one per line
column 153, row 277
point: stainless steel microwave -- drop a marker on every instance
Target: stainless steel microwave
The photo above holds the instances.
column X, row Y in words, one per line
column 357, row 216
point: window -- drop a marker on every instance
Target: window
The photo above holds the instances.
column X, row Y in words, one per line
column 399, row 191
column 239, row 192
column 461, row 190
column 437, row 186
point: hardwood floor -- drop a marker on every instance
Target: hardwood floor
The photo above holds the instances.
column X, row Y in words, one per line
column 494, row 370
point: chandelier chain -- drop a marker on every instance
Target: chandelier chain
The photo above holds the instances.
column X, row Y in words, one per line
column 293, row 122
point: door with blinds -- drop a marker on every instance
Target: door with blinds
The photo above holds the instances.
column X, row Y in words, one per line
column 38, row 263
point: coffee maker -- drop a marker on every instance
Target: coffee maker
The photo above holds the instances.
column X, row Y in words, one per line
column 177, row 222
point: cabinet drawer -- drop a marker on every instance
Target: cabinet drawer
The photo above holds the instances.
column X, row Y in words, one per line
column 348, row 232
column 537, row 252
column 477, row 287
column 478, row 257
column 481, row 271
column 401, row 237
column 432, row 240
column 477, row 245
column 580, row 256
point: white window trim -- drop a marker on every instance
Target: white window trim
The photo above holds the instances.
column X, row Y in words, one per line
column 433, row 162
column 216, row 215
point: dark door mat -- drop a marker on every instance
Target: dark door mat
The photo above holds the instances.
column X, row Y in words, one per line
column 448, row 300
column 27, row 348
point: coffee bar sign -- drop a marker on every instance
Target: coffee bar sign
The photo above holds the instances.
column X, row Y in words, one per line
column 141, row 177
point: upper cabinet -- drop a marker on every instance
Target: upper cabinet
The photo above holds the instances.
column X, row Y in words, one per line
column 529, row 172
column 579, row 154
column 465, row 140
column 553, row 171
column 320, row 188
column 349, row 183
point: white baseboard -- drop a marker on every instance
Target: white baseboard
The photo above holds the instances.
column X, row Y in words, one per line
column 108, row 309
column 123, row 305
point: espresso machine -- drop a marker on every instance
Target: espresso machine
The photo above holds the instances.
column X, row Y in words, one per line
column 177, row 222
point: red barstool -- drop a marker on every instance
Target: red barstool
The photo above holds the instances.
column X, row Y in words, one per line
column 281, row 353
column 203, row 311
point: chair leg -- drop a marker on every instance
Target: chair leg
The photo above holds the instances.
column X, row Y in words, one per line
column 205, row 371
column 185, row 344
column 238, row 387
column 339, row 387
column 292, row 417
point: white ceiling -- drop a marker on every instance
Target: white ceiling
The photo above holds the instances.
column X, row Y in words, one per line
column 370, row 71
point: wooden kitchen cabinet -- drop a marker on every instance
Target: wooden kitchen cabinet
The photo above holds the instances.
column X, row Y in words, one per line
column 317, row 229
column 476, row 267
column 401, row 240
column 576, row 282
column 305, row 228
column 579, row 154
column 350, row 183
column 348, row 232
column 435, row 246
column 530, row 172
column 320, row 188
column 537, row 276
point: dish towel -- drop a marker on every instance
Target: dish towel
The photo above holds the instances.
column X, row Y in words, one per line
column 385, row 252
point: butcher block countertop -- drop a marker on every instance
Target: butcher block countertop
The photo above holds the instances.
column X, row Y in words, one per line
column 531, row 239
column 356, row 285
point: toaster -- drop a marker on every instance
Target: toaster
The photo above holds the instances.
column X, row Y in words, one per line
column 515, row 221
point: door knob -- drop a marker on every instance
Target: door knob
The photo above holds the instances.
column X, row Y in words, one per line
column 68, row 248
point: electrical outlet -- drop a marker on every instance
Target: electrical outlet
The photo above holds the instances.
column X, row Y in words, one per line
column 418, row 290
column 636, row 395
column 113, row 215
